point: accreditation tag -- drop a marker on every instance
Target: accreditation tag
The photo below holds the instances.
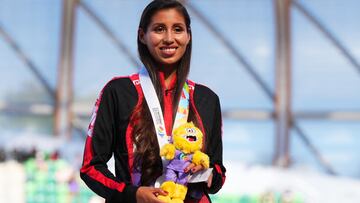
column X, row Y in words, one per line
column 201, row 176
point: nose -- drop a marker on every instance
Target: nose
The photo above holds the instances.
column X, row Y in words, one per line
column 168, row 38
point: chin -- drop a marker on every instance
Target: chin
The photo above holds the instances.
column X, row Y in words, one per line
column 168, row 62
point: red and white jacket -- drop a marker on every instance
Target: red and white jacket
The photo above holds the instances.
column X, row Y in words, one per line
column 110, row 133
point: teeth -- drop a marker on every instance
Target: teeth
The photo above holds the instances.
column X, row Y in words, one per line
column 168, row 49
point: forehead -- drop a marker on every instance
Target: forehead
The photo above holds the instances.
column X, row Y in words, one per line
column 168, row 16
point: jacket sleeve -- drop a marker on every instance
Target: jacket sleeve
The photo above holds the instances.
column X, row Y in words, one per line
column 98, row 150
column 215, row 150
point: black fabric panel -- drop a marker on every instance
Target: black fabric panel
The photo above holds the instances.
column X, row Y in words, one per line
column 126, row 100
column 205, row 102
column 118, row 99
column 208, row 106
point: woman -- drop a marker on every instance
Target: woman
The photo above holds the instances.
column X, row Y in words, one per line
column 122, row 124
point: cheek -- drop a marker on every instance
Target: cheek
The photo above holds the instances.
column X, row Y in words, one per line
column 153, row 41
column 183, row 40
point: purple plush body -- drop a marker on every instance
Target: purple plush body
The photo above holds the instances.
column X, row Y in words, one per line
column 176, row 166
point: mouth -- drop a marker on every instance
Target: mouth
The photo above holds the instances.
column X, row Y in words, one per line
column 191, row 138
column 168, row 48
column 168, row 51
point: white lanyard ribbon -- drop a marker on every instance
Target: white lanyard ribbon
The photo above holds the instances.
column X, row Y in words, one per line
column 154, row 107
column 157, row 114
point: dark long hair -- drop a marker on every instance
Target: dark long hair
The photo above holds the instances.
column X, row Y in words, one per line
column 147, row 149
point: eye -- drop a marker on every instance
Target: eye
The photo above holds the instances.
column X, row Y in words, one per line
column 191, row 130
column 159, row 29
column 178, row 29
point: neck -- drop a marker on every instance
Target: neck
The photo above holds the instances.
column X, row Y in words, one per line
column 169, row 74
column 168, row 78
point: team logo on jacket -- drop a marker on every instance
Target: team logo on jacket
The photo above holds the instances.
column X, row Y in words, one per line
column 136, row 82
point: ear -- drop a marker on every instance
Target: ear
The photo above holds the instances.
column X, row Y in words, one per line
column 141, row 35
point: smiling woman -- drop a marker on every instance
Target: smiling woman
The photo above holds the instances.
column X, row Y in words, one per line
column 166, row 37
column 135, row 116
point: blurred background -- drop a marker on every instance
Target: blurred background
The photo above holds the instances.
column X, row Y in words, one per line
column 287, row 73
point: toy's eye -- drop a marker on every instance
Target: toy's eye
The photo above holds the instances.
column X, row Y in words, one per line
column 191, row 130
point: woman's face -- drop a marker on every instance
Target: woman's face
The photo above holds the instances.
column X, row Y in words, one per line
column 166, row 36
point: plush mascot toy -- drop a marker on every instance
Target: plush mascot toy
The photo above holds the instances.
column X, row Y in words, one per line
column 187, row 142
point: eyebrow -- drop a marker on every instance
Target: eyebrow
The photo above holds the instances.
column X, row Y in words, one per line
column 179, row 24
column 163, row 24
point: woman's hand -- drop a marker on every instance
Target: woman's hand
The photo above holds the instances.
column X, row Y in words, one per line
column 194, row 169
column 149, row 195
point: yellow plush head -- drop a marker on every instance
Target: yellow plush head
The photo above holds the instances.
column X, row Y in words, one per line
column 187, row 138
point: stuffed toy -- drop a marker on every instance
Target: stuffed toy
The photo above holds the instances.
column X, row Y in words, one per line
column 185, row 149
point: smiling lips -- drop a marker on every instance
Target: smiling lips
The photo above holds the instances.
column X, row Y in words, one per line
column 168, row 51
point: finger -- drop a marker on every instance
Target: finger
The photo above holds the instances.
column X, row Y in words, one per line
column 158, row 201
column 154, row 199
column 189, row 167
column 196, row 169
column 158, row 191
